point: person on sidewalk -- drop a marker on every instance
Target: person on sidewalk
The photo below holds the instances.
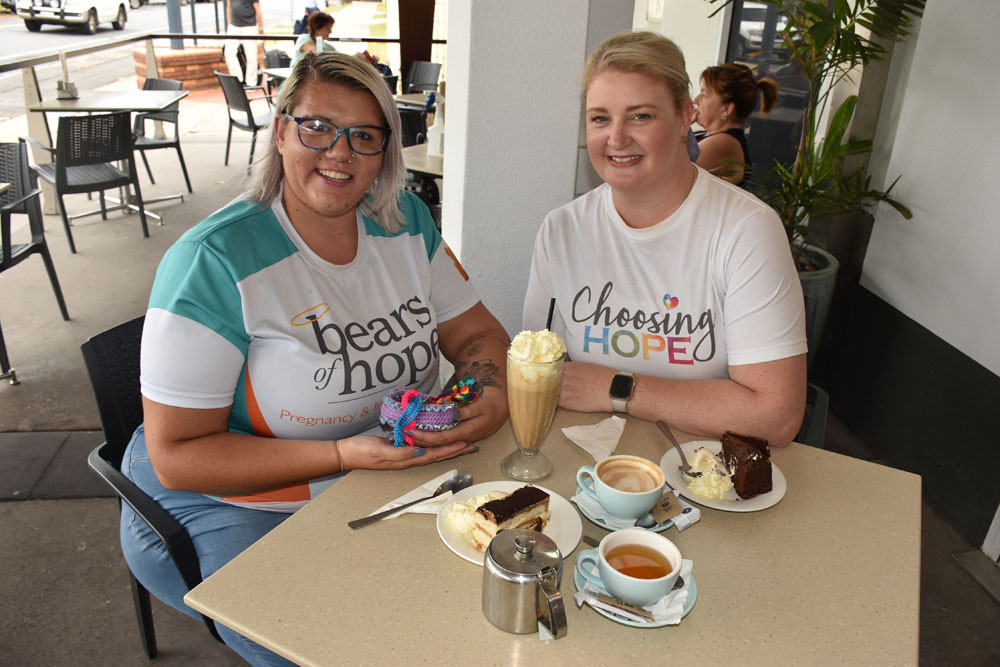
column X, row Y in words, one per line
column 244, row 18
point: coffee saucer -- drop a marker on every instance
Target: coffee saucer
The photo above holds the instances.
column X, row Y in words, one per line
column 658, row 528
column 692, row 597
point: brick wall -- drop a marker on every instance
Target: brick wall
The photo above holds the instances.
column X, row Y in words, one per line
column 195, row 66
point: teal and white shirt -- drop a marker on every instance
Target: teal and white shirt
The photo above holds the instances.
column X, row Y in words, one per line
column 243, row 314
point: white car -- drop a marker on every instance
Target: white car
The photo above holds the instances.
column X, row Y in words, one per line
column 86, row 14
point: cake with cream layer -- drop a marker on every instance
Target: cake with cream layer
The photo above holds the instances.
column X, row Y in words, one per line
column 527, row 508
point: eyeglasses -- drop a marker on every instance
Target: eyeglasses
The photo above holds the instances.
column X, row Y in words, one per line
column 320, row 135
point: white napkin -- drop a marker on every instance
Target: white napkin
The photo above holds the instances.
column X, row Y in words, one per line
column 668, row 610
column 599, row 439
column 430, row 506
column 593, row 509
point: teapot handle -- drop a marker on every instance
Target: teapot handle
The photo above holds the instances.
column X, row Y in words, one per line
column 555, row 620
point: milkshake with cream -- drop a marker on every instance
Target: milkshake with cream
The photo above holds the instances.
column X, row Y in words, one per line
column 534, row 372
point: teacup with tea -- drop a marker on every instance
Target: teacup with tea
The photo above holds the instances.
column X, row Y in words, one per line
column 635, row 565
column 626, row 486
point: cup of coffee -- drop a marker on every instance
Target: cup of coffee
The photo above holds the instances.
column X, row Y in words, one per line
column 635, row 565
column 626, row 486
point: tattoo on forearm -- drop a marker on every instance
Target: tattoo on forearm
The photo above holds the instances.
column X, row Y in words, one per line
column 474, row 349
column 485, row 373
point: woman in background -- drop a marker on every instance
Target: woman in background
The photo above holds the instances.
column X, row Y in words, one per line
column 319, row 28
column 728, row 96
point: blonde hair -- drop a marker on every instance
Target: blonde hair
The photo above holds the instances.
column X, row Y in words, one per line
column 381, row 202
column 642, row 52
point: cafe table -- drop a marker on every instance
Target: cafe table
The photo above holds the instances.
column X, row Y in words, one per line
column 828, row 575
column 137, row 101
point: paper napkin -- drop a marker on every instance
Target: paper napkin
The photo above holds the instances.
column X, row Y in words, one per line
column 430, row 506
column 668, row 610
column 594, row 510
column 599, row 439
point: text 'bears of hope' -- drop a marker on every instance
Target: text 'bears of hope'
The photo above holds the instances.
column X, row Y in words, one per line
column 401, row 366
column 684, row 340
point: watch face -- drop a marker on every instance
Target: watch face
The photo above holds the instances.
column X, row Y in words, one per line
column 621, row 387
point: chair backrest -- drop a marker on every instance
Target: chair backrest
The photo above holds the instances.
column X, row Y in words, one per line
column 414, row 127
column 14, row 170
column 422, row 76
column 169, row 114
column 112, row 359
column 236, row 95
column 392, row 81
column 277, row 58
column 94, row 139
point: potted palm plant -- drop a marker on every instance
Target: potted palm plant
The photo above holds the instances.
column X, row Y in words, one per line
column 829, row 40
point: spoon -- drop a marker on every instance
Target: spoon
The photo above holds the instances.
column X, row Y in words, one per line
column 684, row 467
column 456, row 484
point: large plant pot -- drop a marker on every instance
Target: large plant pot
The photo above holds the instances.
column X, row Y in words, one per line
column 818, row 285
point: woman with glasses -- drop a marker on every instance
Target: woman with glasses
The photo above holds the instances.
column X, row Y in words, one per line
column 276, row 326
column 675, row 290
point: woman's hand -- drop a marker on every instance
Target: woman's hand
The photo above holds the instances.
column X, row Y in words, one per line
column 585, row 387
column 476, row 421
column 375, row 453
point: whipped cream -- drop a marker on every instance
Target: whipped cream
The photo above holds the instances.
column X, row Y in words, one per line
column 537, row 346
column 714, row 482
column 462, row 515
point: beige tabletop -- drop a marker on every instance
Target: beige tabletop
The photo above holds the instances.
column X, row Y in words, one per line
column 133, row 100
column 829, row 575
column 415, row 159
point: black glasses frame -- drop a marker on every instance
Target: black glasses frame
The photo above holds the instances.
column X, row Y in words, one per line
column 348, row 131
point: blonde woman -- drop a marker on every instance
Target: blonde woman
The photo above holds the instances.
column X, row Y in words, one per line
column 675, row 290
column 276, row 326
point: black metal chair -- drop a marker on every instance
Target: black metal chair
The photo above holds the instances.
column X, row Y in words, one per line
column 245, row 119
column 112, row 359
column 275, row 58
column 813, row 429
column 421, row 77
column 87, row 155
column 143, row 142
column 21, row 198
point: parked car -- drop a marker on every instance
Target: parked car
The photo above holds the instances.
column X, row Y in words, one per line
column 86, row 14
column 755, row 15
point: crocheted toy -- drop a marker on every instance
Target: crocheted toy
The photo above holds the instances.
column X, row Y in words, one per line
column 407, row 408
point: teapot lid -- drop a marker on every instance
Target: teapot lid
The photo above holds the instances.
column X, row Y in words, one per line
column 523, row 551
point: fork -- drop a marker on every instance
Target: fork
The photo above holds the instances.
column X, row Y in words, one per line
column 684, row 467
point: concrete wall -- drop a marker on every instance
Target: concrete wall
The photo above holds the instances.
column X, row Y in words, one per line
column 512, row 132
column 936, row 130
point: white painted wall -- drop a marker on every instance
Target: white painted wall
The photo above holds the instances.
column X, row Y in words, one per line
column 937, row 130
column 701, row 39
column 513, row 124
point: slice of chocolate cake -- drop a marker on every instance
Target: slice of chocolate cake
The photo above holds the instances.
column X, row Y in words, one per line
column 527, row 508
column 748, row 460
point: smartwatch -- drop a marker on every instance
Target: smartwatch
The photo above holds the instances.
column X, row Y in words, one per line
column 622, row 386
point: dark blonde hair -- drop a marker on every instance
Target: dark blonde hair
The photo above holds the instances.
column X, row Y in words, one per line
column 381, row 203
column 642, row 52
column 318, row 21
column 735, row 83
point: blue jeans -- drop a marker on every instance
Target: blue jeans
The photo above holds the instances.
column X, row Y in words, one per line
column 220, row 532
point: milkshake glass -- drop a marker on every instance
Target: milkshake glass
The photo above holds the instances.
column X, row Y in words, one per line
column 532, row 396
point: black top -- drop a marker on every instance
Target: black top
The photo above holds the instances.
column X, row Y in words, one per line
column 738, row 135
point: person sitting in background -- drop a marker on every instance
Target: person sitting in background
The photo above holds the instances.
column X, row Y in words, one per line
column 276, row 326
column 675, row 291
column 302, row 25
column 728, row 96
column 319, row 29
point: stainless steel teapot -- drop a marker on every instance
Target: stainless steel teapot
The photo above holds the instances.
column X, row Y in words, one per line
column 522, row 572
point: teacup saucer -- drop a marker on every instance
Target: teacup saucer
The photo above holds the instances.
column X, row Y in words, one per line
column 658, row 528
column 692, row 597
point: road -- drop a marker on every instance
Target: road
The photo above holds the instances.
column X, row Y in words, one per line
column 103, row 67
